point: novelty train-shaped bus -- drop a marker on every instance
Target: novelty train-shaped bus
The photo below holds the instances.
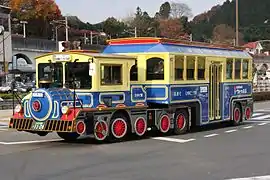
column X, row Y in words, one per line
column 134, row 86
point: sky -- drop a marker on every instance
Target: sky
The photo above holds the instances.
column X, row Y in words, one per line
column 95, row 11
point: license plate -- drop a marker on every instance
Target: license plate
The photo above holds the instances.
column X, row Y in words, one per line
column 38, row 125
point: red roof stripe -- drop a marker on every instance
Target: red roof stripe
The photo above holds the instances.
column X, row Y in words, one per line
column 142, row 40
column 133, row 41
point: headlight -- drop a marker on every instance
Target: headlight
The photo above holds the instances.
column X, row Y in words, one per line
column 64, row 109
column 18, row 108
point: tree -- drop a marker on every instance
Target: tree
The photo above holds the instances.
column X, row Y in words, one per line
column 179, row 10
column 38, row 9
column 171, row 28
column 165, row 10
column 113, row 27
column 225, row 34
column 4, row 2
column 38, row 13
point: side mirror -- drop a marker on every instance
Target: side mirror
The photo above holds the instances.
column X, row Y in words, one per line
column 92, row 69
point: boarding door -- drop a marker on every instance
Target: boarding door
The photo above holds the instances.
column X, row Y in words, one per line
column 215, row 72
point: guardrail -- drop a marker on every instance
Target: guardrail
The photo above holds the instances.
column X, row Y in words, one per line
column 7, row 104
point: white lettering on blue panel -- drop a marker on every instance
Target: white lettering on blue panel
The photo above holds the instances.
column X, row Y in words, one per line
column 191, row 93
column 177, row 94
column 38, row 95
column 139, row 95
column 203, row 90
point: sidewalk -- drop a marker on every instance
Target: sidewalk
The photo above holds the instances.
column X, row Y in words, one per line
column 5, row 116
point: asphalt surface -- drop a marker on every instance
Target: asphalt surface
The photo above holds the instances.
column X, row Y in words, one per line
column 214, row 152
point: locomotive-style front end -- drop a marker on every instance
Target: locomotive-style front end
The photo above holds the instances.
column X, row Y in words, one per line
column 44, row 111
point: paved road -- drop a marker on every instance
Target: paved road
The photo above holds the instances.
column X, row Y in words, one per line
column 215, row 152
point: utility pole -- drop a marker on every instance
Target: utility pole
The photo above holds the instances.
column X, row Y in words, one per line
column 66, row 19
column 135, row 31
column 237, row 22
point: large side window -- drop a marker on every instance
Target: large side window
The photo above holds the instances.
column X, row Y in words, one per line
column 179, row 67
column 237, row 69
column 134, row 73
column 229, row 68
column 111, row 74
column 155, row 69
column 190, row 67
column 201, row 68
column 245, row 69
column 80, row 71
column 52, row 72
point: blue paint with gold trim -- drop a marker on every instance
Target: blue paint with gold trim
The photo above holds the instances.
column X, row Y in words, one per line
column 230, row 91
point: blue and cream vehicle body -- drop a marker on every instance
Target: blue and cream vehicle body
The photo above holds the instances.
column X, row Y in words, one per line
column 137, row 85
column 206, row 83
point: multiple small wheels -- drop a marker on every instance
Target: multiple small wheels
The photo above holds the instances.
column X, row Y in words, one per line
column 120, row 125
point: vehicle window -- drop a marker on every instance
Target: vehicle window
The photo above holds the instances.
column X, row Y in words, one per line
column 81, row 75
column 111, row 74
column 134, row 73
column 245, row 69
column 190, row 67
column 201, row 68
column 179, row 68
column 229, row 68
column 155, row 69
column 237, row 69
column 51, row 72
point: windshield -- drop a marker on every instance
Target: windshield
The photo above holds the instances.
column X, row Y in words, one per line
column 81, row 75
column 51, row 73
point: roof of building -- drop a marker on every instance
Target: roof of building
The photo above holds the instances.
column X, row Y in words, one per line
column 251, row 45
column 144, row 45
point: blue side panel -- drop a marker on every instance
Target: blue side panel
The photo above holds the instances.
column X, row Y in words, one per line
column 157, row 94
column 192, row 93
column 141, row 48
column 94, row 99
column 233, row 90
column 138, row 94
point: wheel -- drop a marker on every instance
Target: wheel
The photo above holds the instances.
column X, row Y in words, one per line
column 101, row 130
column 237, row 115
column 164, row 123
column 68, row 136
column 181, row 122
column 119, row 127
column 140, row 126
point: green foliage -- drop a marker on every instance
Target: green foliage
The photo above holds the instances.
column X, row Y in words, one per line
column 252, row 18
column 9, row 95
column 165, row 10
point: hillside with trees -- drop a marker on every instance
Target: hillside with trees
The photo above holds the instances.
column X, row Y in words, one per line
column 171, row 20
column 218, row 24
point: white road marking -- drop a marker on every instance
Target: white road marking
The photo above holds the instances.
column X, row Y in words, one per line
column 256, row 114
column 267, row 177
column 262, row 124
column 258, row 121
column 211, row 135
column 247, row 127
column 173, row 139
column 261, row 117
column 230, row 131
column 29, row 142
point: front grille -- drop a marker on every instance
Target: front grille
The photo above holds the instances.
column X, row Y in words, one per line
column 50, row 125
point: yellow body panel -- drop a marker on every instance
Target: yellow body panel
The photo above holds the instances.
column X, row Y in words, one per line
column 126, row 61
column 169, row 70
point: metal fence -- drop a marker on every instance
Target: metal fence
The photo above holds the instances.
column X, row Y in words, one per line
column 262, row 86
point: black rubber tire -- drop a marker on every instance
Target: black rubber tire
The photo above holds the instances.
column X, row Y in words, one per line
column 68, row 136
column 238, row 122
column 111, row 137
column 185, row 128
